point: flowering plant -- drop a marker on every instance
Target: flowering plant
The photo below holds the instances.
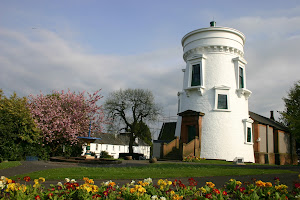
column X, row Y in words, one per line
column 146, row 190
column 191, row 158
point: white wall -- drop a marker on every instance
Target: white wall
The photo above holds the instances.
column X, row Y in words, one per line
column 223, row 132
column 114, row 150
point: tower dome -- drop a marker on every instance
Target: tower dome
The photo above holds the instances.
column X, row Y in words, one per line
column 215, row 85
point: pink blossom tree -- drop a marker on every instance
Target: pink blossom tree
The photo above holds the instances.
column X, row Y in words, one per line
column 63, row 116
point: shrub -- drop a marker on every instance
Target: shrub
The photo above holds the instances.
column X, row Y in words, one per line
column 104, row 154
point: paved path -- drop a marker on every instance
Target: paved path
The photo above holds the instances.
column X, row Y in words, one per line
column 32, row 166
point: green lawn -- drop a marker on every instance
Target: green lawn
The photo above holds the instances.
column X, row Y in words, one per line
column 153, row 171
column 9, row 164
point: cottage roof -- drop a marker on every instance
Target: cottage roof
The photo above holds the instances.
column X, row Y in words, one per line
column 117, row 139
column 267, row 121
column 167, row 131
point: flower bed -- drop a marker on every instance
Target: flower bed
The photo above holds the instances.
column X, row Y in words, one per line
column 146, row 189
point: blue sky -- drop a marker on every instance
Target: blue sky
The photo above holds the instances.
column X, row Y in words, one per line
column 87, row 45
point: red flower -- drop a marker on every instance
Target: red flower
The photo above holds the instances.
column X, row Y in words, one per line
column 50, row 195
column 209, row 196
column 59, row 187
column 242, row 189
column 216, row 191
column 96, row 196
column 276, row 179
column 105, row 193
column 38, row 197
column 297, row 185
column 26, row 178
column 168, row 191
column 193, row 182
column 224, row 193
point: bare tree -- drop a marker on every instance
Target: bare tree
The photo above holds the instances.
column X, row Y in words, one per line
column 132, row 109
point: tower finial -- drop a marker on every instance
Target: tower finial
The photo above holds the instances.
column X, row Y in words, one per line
column 212, row 24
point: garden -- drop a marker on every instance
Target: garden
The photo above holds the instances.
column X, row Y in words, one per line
column 163, row 189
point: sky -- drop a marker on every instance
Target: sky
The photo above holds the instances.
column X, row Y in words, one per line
column 86, row 45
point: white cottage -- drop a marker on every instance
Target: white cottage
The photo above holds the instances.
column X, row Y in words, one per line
column 114, row 144
column 213, row 111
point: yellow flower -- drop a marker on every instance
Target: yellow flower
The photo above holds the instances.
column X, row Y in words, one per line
column 231, row 180
column 260, row 183
column 41, row 180
column 177, row 197
column 239, row 183
column 202, row 189
column 268, row 184
column 210, row 184
column 112, row 184
column 8, row 180
column 169, row 182
column 36, row 181
column 132, row 190
column 11, row 187
column 281, row 187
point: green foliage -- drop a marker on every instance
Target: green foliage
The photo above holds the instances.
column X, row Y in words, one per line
column 104, row 154
column 17, row 127
column 143, row 132
column 291, row 115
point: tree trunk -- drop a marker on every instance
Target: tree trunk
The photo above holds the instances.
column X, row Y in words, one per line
column 131, row 140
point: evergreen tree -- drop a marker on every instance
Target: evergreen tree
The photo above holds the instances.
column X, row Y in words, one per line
column 291, row 114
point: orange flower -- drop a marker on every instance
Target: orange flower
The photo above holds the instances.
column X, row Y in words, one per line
column 260, row 183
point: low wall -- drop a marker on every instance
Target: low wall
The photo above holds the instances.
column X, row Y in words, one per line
column 275, row 158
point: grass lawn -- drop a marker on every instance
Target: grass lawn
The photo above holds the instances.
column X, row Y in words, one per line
column 153, row 171
column 9, row 164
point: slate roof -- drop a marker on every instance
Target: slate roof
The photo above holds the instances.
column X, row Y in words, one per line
column 267, row 121
column 167, row 131
column 116, row 139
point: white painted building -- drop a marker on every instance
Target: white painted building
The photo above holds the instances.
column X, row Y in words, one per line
column 114, row 144
column 215, row 86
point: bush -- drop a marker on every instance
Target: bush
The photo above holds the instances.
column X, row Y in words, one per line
column 104, row 154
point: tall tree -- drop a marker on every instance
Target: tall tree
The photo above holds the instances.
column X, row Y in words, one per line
column 291, row 114
column 17, row 127
column 63, row 116
column 133, row 108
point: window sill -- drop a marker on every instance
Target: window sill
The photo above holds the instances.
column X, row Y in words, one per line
column 200, row 89
column 244, row 92
column 248, row 143
column 222, row 110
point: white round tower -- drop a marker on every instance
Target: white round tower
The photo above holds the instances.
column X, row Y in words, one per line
column 215, row 85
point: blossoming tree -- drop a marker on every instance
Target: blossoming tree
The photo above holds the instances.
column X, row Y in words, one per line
column 63, row 116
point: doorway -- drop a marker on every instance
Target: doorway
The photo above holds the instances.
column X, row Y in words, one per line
column 192, row 132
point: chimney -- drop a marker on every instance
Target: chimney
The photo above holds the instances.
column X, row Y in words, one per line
column 272, row 115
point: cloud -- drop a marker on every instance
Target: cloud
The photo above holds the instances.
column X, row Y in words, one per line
column 44, row 61
column 271, row 50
